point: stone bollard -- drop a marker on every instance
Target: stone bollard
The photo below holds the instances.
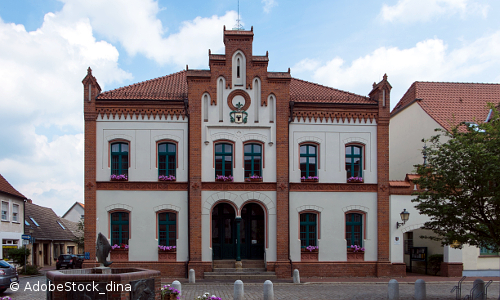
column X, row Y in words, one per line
column 268, row 290
column 478, row 293
column 420, row 291
column 177, row 285
column 239, row 293
column 393, row 291
column 192, row 278
column 296, row 276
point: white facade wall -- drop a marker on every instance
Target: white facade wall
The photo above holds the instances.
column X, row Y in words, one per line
column 332, row 207
column 75, row 214
column 406, row 131
column 332, row 138
column 142, row 135
column 213, row 130
column 143, row 206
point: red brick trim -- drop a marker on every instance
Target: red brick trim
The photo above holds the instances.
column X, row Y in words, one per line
column 238, row 186
column 142, row 186
column 333, row 187
column 242, row 93
column 140, row 108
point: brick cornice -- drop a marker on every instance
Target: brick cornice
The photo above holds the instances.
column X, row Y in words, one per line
column 142, row 186
column 333, row 187
column 150, row 109
column 239, row 186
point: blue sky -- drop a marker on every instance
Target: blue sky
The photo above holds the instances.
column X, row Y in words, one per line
column 48, row 45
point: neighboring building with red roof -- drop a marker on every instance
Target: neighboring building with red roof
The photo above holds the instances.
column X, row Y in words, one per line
column 11, row 225
column 430, row 105
column 202, row 158
column 425, row 107
column 75, row 213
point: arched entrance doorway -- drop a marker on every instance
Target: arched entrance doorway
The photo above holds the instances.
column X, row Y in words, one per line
column 223, row 237
column 253, row 232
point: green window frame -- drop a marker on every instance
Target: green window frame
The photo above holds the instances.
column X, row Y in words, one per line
column 167, row 229
column 488, row 251
column 223, row 159
column 354, row 229
column 354, row 161
column 167, row 159
column 119, row 158
column 120, row 228
column 308, row 160
column 253, row 159
column 308, row 229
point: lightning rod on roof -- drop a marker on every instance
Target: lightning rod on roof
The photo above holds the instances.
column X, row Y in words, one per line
column 238, row 25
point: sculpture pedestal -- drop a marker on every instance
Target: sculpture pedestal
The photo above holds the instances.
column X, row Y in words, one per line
column 102, row 270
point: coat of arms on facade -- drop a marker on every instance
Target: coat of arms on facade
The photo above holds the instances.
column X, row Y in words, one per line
column 238, row 116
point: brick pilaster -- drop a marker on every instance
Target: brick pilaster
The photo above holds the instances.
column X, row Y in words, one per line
column 90, row 91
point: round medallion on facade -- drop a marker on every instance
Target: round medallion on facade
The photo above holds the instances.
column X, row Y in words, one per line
column 239, row 96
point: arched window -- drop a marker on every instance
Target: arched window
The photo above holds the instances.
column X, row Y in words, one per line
column 223, row 159
column 354, row 229
column 308, row 161
column 253, row 160
column 238, row 65
column 308, row 230
column 167, row 229
column 119, row 228
column 354, row 161
column 119, row 158
column 167, row 162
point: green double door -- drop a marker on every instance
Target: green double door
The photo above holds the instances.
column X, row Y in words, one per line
column 252, row 232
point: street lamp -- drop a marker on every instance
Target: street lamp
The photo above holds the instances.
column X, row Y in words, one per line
column 404, row 217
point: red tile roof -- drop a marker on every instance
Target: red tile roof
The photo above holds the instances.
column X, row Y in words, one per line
column 170, row 87
column 174, row 87
column 449, row 103
column 9, row 189
column 304, row 91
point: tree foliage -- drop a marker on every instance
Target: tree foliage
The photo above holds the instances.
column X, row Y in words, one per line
column 461, row 185
column 18, row 255
column 79, row 234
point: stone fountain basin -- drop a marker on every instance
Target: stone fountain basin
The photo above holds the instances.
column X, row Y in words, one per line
column 103, row 283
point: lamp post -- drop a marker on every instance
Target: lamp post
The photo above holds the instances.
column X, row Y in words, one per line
column 404, row 217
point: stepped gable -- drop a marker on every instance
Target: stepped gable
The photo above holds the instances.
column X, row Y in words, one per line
column 170, row 87
column 450, row 103
column 304, row 91
column 7, row 188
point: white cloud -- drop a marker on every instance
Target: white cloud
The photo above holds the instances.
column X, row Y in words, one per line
column 268, row 5
column 429, row 60
column 42, row 72
column 134, row 24
column 408, row 11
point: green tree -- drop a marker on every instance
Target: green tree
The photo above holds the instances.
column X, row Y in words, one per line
column 18, row 255
column 79, row 234
column 461, row 185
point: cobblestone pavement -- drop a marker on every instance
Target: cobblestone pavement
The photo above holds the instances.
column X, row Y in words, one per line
column 354, row 291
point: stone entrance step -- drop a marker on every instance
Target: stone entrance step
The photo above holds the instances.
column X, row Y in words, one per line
column 252, row 270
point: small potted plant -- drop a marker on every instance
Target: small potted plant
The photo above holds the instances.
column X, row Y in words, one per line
column 207, row 296
column 254, row 178
column 167, row 253
column 355, row 253
column 169, row 293
column 355, row 180
column 166, row 178
column 121, row 177
column 119, row 252
column 309, row 253
column 224, row 178
column 309, row 179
